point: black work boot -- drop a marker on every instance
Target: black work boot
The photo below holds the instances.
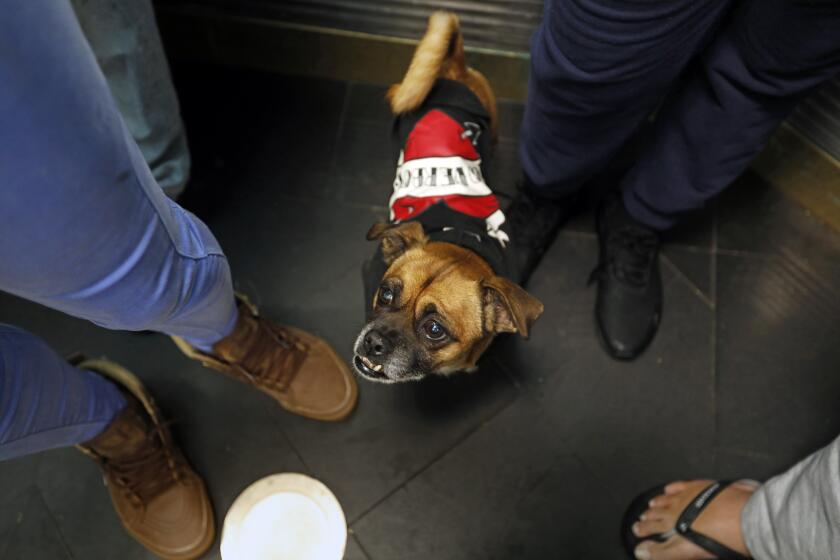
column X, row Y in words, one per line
column 629, row 303
column 534, row 222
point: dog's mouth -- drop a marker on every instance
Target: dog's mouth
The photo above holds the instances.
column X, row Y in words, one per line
column 369, row 369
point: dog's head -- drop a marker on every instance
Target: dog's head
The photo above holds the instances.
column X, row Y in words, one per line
column 437, row 308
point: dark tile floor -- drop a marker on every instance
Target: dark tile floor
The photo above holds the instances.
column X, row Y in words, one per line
column 535, row 455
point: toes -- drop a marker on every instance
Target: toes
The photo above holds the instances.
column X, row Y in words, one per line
column 651, row 550
column 681, row 486
column 660, row 502
column 642, row 551
column 673, row 549
column 650, row 527
column 747, row 485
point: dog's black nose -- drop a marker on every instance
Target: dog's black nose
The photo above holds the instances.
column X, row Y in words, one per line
column 376, row 344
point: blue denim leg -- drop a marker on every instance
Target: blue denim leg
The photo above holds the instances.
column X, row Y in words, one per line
column 125, row 40
column 84, row 227
column 45, row 402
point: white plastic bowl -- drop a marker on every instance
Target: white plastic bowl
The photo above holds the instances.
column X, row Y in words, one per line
column 287, row 516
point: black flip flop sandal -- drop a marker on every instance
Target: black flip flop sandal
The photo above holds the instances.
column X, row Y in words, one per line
column 683, row 525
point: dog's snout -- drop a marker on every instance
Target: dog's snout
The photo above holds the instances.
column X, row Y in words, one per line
column 376, row 344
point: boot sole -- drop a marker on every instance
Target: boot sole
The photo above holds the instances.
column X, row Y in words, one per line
column 211, row 363
column 127, row 380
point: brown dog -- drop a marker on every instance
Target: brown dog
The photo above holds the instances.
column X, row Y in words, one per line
column 442, row 287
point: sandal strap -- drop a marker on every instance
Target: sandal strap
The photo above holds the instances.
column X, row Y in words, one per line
column 689, row 516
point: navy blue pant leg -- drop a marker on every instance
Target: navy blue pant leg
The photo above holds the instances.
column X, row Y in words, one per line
column 598, row 69
column 765, row 58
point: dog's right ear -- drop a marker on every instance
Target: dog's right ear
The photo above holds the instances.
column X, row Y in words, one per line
column 508, row 307
column 396, row 239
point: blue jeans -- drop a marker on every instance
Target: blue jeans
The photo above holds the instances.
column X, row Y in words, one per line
column 125, row 40
column 599, row 68
column 84, row 229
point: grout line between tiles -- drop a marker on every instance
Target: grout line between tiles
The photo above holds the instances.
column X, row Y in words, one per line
column 40, row 497
column 434, row 460
column 744, row 253
column 342, row 119
column 713, row 339
column 291, row 445
column 526, row 493
column 693, row 287
column 591, row 472
column 4, row 546
column 688, row 248
column 297, row 453
column 359, row 544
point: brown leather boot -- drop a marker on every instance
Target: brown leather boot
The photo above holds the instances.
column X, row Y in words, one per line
column 299, row 370
column 159, row 498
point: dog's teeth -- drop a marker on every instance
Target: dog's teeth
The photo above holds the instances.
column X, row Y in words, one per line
column 370, row 364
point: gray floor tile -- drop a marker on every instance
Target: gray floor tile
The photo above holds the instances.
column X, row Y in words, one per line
column 364, row 169
column 33, row 533
column 777, row 356
column 637, row 406
column 251, row 130
column 502, row 494
column 753, row 217
column 366, row 102
column 15, row 498
column 72, row 488
column 396, row 432
column 692, row 266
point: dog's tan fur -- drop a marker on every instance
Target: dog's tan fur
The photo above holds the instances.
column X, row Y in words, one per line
column 440, row 54
column 473, row 303
column 469, row 300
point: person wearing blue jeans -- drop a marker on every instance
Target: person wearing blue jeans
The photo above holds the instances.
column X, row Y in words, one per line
column 125, row 40
column 86, row 229
column 721, row 76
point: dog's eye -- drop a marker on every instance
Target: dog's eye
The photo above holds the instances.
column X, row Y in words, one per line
column 386, row 295
column 434, row 331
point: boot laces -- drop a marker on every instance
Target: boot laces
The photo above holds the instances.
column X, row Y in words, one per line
column 149, row 472
column 630, row 254
column 274, row 358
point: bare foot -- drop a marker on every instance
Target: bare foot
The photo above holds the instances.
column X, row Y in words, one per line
column 721, row 521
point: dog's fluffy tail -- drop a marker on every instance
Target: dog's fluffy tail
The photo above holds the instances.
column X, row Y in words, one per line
column 441, row 43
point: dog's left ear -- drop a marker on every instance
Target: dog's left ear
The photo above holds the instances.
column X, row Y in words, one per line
column 508, row 307
column 396, row 239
